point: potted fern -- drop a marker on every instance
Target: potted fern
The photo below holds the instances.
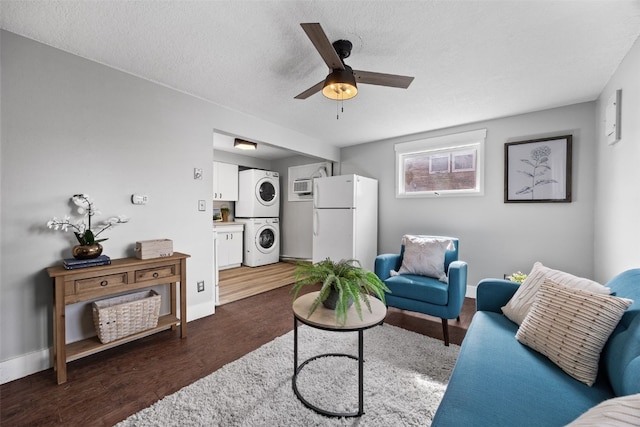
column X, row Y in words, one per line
column 343, row 283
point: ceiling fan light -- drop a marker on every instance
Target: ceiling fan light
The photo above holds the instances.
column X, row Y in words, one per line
column 241, row 144
column 340, row 84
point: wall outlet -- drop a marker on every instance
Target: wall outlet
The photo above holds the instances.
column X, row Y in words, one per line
column 201, row 286
column 197, row 173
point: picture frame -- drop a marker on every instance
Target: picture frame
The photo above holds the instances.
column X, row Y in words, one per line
column 217, row 215
column 538, row 170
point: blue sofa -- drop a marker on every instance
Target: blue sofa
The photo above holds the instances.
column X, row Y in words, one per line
column 497, row 381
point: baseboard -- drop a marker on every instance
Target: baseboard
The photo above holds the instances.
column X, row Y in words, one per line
column 200, row 310
column 471, row 292
column 24, row 365
column 40, row 360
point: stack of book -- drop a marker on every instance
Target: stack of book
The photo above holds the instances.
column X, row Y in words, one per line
column 72, row 263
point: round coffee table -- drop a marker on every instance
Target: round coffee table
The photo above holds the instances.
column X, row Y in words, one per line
column 323, row 318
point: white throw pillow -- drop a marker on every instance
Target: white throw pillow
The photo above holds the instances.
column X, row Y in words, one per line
column 571, row 326
column 424, row 256
column 623, row 411
column 518, row 306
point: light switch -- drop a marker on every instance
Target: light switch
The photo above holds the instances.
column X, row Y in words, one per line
column 202, row 205
column 197, row 173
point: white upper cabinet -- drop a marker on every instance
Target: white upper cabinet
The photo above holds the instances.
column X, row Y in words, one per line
column 225, row 181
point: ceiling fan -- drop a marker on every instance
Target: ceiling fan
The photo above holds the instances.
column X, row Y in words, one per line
column 340, row 84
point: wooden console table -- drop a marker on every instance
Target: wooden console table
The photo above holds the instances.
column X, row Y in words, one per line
column 122, row 275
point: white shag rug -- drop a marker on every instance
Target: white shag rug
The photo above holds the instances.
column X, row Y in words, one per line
column 405, row 375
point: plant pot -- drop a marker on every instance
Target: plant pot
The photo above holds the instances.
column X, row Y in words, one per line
column 87, row 251
column 332, row 300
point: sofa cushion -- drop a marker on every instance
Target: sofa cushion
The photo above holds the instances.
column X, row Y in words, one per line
column 420, row 288
column 620, row 412
column 424, row 256
column 571, row 326
column 518, row 306
column 499, row 382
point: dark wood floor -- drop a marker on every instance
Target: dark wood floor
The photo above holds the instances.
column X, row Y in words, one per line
column 105, row 388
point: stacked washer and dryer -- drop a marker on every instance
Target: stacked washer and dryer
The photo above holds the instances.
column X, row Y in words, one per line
column 258, row 207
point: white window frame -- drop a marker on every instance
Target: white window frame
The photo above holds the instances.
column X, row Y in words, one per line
column 447, row 145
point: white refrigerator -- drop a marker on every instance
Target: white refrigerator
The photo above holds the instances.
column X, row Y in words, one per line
column 345, row 219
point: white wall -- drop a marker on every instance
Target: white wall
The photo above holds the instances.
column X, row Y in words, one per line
column 617, row 209
column 495, row 238
column 71, row 125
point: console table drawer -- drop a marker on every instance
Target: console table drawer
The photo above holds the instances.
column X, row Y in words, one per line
column 155, row 273
column 92, row 284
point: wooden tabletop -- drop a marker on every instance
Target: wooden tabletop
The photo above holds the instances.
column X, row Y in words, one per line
column 59, row 270
column 323, row 317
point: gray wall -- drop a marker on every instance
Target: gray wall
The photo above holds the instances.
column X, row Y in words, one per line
column 496, row 238
column 71, row 125
column 296, row 217
column 617, row 209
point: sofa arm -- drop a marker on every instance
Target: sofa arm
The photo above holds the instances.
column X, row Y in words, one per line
column 492, row 294
column 385, row 263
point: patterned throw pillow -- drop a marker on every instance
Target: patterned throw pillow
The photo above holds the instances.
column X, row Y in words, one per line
column 622, row 411
column 424, row 256
column 571, row 326
column 518, row 306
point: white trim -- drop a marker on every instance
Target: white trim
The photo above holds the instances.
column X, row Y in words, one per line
column 444, row 140
column 26, row 364
column 201, row 310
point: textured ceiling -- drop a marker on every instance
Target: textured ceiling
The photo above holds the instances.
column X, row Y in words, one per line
column 472, row 60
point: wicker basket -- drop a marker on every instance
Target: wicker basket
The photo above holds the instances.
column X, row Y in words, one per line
column 124, row 315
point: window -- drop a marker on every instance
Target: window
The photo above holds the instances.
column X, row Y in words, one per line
column 441, row 166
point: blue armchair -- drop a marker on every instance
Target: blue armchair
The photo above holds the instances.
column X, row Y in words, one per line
column 424, row 294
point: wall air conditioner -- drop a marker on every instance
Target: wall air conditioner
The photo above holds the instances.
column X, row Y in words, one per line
column 303, row 186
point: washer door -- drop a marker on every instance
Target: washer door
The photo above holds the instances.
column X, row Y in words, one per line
column 266, row 192
column 266, row 238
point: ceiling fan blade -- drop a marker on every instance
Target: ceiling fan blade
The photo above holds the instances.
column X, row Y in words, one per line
column 381, row 79
column 313, row 89
column 323, row 45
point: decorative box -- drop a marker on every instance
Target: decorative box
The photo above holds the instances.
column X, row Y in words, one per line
column 154, row 248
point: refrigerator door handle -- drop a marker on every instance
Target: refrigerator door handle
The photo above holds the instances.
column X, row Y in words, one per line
column 315, row 193
column 316, row 219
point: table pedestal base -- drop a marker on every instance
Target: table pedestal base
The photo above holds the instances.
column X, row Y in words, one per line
column 297, row 369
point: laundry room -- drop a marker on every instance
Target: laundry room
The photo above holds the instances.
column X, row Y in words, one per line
column 262, row 214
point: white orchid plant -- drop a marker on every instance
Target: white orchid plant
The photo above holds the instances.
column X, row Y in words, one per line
column 85, row 234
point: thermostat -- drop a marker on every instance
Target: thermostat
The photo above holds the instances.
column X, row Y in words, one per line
column 139, row 199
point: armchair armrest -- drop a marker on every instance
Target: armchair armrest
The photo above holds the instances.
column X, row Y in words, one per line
column 492, row 294
column 385, row 263
column 457, row 276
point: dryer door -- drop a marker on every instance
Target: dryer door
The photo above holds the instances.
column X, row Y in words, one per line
column 266, row 192
column 266, row 239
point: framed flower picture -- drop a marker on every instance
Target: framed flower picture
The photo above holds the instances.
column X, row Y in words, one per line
column 538, row 170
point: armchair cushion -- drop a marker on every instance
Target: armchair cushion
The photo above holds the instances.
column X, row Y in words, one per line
column 425, row 256
column 420, row 288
